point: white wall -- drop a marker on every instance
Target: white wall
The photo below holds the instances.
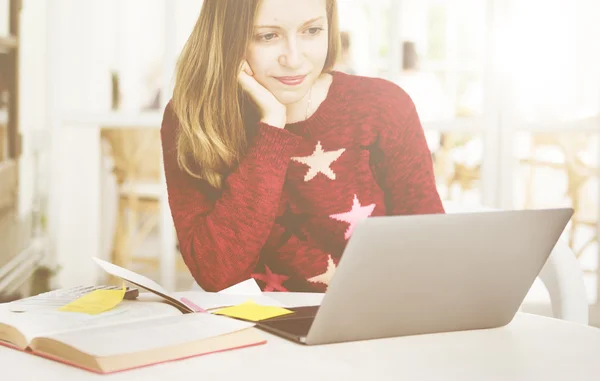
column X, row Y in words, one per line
column 81, row 33
column 80, row 42
column 138, row 48
column 87, row 39
column 32, row 117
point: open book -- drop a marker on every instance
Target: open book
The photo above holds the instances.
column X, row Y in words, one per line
column 134, row 334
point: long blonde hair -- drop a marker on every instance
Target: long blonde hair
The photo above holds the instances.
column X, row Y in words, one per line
column 210, row 106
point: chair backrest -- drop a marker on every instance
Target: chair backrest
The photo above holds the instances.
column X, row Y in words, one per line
column 136, row 153
column 561, row 275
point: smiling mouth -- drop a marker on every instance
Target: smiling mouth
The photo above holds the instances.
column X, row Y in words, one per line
column 291, row 81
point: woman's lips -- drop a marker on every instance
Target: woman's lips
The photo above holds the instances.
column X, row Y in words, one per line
column 291, row 81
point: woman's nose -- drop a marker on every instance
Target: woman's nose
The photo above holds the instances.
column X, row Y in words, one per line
column 291, row 56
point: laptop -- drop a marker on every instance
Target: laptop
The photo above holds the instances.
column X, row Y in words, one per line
column 422, row 274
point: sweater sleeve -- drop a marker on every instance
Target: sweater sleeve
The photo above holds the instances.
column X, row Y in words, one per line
column 307, row 266
column 221, row 234
column 405, row 170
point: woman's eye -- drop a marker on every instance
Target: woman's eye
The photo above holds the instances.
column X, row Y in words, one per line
column 267, row 37
column 314, row 31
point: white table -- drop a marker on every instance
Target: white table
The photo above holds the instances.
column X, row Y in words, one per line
column 529, row 348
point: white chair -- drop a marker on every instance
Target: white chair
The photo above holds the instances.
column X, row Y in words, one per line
column 561, row 275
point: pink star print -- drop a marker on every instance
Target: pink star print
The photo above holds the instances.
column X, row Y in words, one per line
column 273, row 282
column 326, row 277
column 357, row 213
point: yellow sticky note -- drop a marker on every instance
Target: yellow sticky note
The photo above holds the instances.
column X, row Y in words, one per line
column 96, row 302
column 249, row 310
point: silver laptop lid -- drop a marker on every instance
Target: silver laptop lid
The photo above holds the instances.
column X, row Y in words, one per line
column 403, row 275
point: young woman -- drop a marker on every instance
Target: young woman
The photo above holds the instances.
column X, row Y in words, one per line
column 271, row 157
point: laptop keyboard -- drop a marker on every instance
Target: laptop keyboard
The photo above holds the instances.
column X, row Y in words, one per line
column 296, row 324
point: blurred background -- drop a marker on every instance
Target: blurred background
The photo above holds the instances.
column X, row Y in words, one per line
column 508, row 92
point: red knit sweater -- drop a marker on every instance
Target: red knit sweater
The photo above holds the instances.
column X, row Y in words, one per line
column 287, row 211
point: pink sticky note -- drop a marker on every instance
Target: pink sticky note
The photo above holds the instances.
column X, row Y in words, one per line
column 193, row 305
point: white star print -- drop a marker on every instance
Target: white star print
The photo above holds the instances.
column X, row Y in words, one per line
column 325, row 278
column 356, row 214
column 320, row 162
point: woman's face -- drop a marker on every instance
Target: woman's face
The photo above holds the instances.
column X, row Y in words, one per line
column 289, row 46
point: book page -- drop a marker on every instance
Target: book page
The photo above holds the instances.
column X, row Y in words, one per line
column 247, row 287
column 131, row 276
column 150, row 334
column 47, row 322
column 142, row 282
column 212, row 300
column 55, row 299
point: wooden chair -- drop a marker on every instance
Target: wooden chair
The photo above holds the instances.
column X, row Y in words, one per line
column 136, row 156
column 450, row 172
column 578, row 173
